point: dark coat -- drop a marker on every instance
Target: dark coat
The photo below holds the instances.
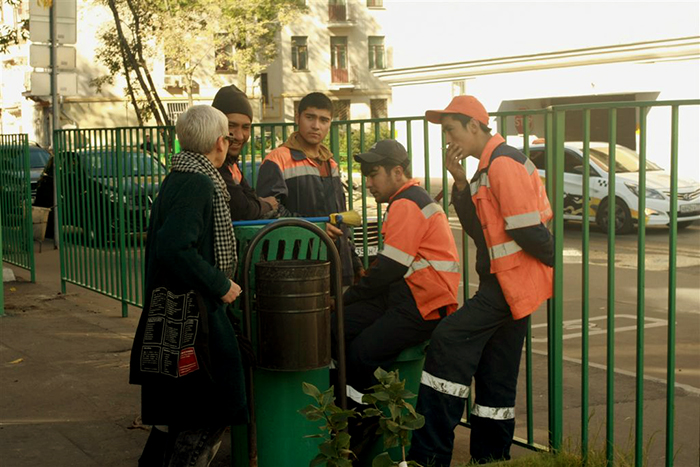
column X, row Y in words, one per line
column 180, row 250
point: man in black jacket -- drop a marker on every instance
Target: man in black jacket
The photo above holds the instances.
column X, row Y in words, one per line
column 244, row 203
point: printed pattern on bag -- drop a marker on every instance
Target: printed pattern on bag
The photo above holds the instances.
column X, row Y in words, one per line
column 169, row 337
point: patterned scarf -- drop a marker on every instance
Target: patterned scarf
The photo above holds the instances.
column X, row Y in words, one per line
column 224, row 239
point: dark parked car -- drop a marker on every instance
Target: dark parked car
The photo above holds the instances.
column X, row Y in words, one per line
column 92, row 198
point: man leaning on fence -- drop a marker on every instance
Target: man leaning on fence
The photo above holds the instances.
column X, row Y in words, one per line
column 185, row 354
column 504, row 210
column 244, row 203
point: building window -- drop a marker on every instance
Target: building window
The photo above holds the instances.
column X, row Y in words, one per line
column 378, row 108
column 225, row 55
column 337, row 10
column 341, row 110
column 339, row 59
column 300, row 53
column 376, row 53
column 375, row 3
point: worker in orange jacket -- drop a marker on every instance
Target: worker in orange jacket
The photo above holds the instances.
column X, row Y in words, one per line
column 504, row 209
column 414, row 281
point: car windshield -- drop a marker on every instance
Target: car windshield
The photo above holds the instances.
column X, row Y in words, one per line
column 137, row 163
column 38, row 158
column 626, row 160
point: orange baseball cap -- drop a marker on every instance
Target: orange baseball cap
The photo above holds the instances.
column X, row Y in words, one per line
column 465, row 105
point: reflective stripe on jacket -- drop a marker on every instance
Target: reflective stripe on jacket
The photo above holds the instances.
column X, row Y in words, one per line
column 508, row 194
column 417, row 235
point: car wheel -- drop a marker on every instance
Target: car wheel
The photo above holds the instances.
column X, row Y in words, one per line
column 623, row 217
column 684, row 225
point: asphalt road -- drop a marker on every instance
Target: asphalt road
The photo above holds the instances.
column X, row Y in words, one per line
column 685, row 352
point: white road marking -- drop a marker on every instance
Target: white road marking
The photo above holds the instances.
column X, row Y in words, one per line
column 577, row 324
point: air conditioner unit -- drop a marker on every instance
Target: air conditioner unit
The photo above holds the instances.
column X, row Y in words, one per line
column 172, row 81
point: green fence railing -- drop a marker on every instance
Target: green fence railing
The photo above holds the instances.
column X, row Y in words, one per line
column 104, row 201
column 106, row 180
column 16, row 202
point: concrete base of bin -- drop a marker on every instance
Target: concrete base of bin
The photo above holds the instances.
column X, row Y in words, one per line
column 410, row 366
column 281, row 428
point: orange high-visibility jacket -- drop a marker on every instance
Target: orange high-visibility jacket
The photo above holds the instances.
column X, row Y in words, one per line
column 508, row 194
column 417, row 235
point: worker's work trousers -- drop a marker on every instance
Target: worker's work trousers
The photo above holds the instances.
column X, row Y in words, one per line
column 377, row 330
column 482, row 341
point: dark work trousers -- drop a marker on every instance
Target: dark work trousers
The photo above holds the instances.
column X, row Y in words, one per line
column 483, row 341
column 377, row 330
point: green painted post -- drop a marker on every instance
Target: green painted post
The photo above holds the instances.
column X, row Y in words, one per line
column 122, row 227
column 529, row 400
column 426, row 155
column 28, row 219
column 2, row 289
column 671, row 341
column 585, row 241
column 59, row 147
column 555, row 341
column 641, row 242
column 610, row 360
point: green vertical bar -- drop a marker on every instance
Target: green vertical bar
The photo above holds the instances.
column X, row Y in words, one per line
column 426, row 155
column 445, row 188
column 529, row 400
column 409, row 142
column 2, row 289
column 335, row 142
column 671, row 343
column 555, row 342
column 121, row 220
column 28, row 206
column 365, row 254
column 502, row 128
column 585, row 239
column 549, row 134
column 610, row 361
column 641, row 279
column 58, row 171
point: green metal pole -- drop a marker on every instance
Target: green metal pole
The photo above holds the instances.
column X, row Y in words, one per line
column 122, row 233
column 610, row 361
column 671, row 342
column 641, row 243
column 426, row 155
column 585, row 240
column 529, row 401
column 59, row 146
column 555, row 342
column 28, row 223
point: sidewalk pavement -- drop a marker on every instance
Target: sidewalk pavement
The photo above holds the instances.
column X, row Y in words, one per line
column 65, row 398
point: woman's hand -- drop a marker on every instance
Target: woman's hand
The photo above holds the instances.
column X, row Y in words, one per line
column 453, row 163
column 233, row 292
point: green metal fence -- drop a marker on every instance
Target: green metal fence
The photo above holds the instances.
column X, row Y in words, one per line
column 104, row 203
column 16, row 202
column 106, row 180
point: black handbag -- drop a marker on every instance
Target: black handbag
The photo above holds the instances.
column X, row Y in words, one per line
column 172, row 337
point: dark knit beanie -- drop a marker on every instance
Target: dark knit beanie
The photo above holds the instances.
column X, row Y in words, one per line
column 231, row 100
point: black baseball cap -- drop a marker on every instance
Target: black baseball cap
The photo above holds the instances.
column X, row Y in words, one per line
column 384, row 150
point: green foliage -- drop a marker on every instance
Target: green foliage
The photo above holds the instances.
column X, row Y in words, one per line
column 334, row 451
column 373, row 132
column 10, row 35
column 397, row 418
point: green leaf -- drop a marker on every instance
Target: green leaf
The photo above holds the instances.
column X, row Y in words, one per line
column 311, row 390
column 391, row 441
column 311, row 413
column 343, row 439
column 381, row 396
column 392, row 426
column 383, row 460
column 380, row 374
column 371, row 412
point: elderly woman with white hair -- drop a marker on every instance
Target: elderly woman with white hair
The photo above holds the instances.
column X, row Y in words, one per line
column 185, row 354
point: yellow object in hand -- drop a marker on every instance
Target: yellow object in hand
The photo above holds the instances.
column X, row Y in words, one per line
column 350, row 218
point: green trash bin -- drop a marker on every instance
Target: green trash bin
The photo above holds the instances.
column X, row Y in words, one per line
column 410, row 366
column 281, row 429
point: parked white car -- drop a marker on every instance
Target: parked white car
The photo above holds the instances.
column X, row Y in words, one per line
column 658, row 187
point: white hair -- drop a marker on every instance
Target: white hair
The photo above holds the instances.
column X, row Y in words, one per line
column 199, row 127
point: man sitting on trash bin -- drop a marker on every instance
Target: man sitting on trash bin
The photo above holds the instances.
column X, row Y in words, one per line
column 412, row 284
column 244, row 203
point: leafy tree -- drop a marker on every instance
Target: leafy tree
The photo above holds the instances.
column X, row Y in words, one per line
column 10, row 36
column 187, row 33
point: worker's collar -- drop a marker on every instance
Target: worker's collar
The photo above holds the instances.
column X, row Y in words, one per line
column 406, row 186
column 495, row 141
